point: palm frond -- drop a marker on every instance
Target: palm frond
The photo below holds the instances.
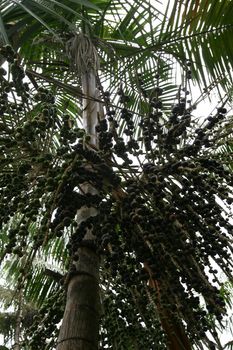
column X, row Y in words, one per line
column 229, row 345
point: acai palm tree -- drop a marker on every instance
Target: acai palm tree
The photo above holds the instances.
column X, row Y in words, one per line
column 108, row 182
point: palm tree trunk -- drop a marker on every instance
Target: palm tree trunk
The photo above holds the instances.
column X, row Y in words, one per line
column 16, row 345
column 80, row 325
column 90, row 107
column 177, row 338
column 175, row 332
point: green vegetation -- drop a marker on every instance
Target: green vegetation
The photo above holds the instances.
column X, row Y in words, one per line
column 115, row 199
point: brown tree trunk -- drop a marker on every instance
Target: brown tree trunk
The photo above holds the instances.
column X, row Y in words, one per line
column 16, row 345
column 175, row 332
column 80, row 326
column 177, row 339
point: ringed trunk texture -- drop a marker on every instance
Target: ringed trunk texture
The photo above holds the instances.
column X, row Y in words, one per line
column 80, row 325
